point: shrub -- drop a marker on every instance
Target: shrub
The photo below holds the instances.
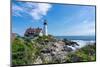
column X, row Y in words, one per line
column 87, row 53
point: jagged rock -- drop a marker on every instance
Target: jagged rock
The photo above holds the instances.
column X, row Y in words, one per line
column 38, row 60
column 46, row 50
column 76, row 59
column 68, row 49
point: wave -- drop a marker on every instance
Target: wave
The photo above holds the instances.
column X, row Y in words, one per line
column 82, row 43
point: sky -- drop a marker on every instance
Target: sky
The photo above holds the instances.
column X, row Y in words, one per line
column 63, row 19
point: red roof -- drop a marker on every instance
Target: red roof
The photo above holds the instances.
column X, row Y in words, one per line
column 33, row 30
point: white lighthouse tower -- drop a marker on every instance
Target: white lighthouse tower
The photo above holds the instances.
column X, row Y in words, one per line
column 45, row 30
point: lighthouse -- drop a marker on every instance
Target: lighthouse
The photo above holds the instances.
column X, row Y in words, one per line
column 45, row 30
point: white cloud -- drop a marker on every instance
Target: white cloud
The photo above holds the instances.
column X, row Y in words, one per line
column 16, row 10
column 40, row 10
column 35, row 10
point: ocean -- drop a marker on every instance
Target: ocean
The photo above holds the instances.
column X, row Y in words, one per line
column 85, row 38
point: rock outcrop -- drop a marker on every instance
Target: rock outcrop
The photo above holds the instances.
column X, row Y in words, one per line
column 55, row 51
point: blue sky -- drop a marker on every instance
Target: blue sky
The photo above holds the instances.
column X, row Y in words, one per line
column 63, row 20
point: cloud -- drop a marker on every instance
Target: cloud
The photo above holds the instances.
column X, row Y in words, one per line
column 40, row 10
column 16, row 10
column 35, row 10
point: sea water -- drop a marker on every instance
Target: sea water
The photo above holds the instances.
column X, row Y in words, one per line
column 85, row 38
